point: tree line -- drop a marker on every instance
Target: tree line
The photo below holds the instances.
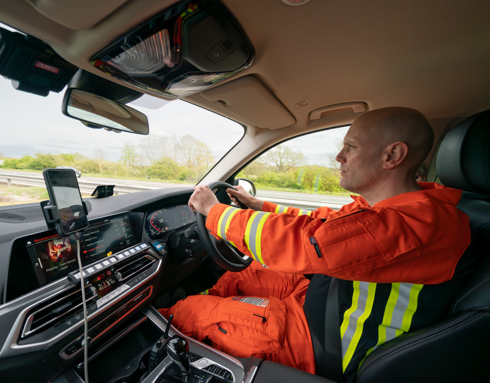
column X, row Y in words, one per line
column 285, row 168
column 187, row 159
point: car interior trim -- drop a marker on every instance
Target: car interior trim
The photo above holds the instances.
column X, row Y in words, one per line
column 105, row 346
column 12, row 347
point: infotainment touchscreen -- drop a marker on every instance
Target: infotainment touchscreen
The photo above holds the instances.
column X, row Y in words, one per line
column 57, row 256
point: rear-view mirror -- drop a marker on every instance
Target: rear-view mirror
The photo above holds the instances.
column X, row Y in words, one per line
column 99, row 112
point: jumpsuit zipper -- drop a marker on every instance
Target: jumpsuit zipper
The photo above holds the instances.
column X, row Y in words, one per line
column 313, row 239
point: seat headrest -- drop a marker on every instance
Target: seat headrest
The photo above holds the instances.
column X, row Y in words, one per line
column 463, row 161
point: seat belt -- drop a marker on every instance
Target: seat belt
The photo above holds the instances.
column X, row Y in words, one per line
column 333, row 349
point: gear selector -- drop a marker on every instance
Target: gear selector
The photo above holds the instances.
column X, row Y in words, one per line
column 178, row 351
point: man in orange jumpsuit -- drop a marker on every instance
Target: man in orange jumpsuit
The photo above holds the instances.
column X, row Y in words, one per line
column 395, row 251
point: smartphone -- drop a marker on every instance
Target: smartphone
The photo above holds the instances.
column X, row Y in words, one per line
column 64, row 193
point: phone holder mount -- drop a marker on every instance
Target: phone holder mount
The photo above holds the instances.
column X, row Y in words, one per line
column 52, row 217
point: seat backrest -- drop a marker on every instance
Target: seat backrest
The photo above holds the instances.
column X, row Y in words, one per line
column 456, row 348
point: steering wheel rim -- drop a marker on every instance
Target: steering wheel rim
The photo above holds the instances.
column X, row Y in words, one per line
column 215, row 247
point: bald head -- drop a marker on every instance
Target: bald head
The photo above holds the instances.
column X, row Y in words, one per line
column 396, row 124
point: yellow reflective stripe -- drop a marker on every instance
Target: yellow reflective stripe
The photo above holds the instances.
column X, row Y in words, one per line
column 359, row 326
column 227, row 225
column 220, row 221
column 304, row 212
column 259, row 237
column 281, row 209
column 412, row 307
column 205, row 292
column 347, row 314
column 253, row 234
column 247, row 233
column 388, row 314
column 397, row 301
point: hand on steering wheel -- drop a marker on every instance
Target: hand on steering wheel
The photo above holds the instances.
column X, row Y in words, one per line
column 223, row 253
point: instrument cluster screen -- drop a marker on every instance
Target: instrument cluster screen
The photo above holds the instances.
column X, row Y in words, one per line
column 169, row 218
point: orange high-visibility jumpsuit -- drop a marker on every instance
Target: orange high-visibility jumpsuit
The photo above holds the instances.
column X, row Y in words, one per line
column 415, row 237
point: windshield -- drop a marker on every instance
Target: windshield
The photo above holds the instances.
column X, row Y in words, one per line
column 184, row 143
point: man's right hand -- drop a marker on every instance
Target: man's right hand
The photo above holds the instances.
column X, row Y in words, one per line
column 245, row 197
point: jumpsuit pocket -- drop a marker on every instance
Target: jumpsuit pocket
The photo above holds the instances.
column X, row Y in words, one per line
column 248, row 325
column 392, row 234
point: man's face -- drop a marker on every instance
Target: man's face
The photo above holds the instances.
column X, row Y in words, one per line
column 360, row 159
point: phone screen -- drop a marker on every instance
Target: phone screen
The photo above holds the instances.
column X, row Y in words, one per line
column 64, row 193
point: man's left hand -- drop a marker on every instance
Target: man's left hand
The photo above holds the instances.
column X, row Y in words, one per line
column 202, row 200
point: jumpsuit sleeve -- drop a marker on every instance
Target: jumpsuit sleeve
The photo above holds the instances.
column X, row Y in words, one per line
column 382, row 245
column 246, row 229
column 322, row 212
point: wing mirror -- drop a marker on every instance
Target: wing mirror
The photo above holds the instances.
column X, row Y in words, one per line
column 98, row 112
column 247, row 185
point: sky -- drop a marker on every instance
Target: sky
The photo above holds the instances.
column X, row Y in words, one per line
column 33, row 124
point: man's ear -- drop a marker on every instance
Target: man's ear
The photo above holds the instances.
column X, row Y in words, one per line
column 395, row 154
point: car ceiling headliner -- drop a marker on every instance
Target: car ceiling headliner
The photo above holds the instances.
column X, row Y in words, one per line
column 429, row 55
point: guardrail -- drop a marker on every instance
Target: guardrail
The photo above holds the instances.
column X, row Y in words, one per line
column 87, row 187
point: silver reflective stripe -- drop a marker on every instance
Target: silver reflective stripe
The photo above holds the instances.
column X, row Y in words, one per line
column 280, row 209
column 354, row 318
column 223, row 223
column 399, row 311
column 361, row 306
column 398, row 314
column 253, row 233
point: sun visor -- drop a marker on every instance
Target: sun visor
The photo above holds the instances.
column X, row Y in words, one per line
column 250, row 101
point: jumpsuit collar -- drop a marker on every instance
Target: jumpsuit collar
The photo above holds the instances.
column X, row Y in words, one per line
column 430, row 190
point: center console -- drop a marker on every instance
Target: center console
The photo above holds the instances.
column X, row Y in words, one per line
column 126, row 357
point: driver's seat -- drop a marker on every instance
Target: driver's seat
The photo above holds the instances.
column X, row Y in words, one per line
column 456, row 348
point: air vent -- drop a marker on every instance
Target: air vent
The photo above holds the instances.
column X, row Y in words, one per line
column 51, row 312
column 134, row 266
column 27, row 214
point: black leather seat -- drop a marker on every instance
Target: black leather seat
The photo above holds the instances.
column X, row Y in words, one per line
column 455, row 349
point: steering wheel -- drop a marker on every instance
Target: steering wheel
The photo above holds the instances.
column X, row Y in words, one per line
column 223, row 253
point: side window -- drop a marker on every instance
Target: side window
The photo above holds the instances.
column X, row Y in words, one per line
column 301, row 172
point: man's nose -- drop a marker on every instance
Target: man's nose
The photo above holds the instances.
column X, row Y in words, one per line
column 340, row 157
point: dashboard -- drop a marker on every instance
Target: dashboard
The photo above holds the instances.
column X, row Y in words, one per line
column 137, row 248
column 133, row 251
